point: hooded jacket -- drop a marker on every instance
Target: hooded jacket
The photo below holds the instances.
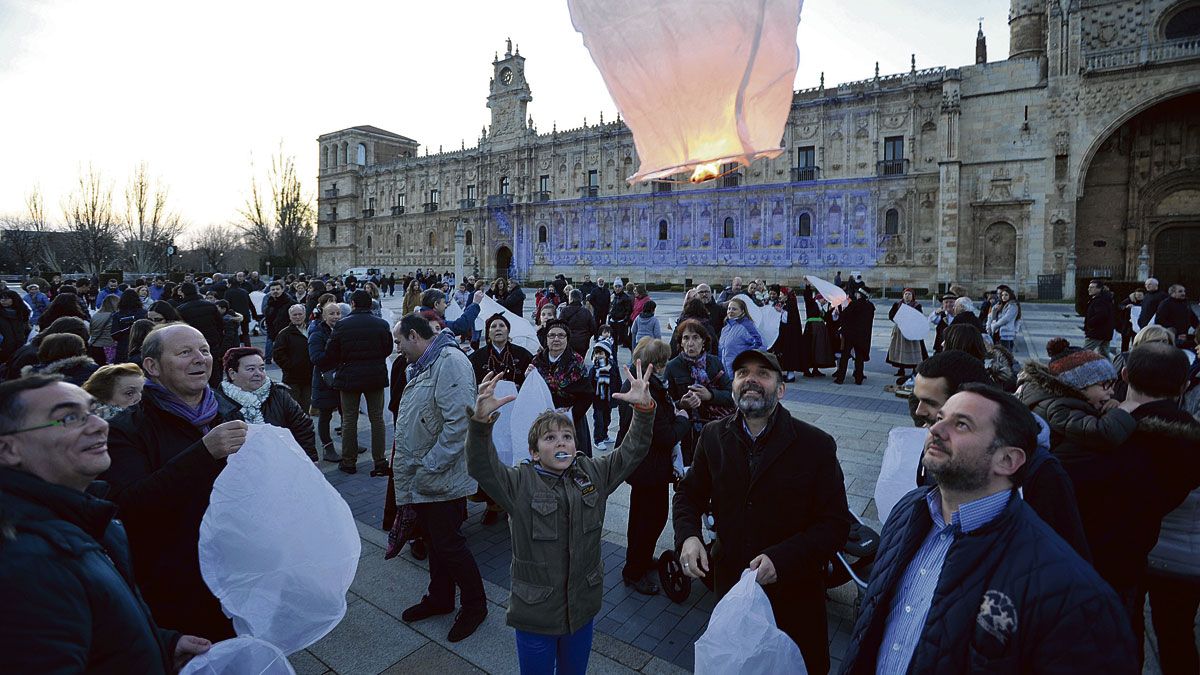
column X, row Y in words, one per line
column 74, row 369
column 1012, row 597
column 739, row 335
column 67, row 587
column 1076, row 428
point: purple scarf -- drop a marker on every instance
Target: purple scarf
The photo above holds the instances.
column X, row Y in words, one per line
column 698, row 367
column 198, row 417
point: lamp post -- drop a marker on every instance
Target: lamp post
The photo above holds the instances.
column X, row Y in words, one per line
column 459, row 250
column 268, row 270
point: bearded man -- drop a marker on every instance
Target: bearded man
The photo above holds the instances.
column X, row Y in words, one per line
column 778, row 499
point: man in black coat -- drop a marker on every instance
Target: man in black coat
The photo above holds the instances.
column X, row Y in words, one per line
column 778, row 498
column 601, row 301
column 239, row 301
column 291, row 354
column 967, row 577
column 1101, row 319
column 514, row 300
column 357, row 353
column 716, row 313
column 618, row 316
column 204, row 317
column 1150, row 302
column 275, row 314
column 855, row 322
column 1176, row 313
column 166, row 454
column 66, row 582
column 580, row 321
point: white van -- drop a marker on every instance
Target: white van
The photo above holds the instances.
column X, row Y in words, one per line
column 360, row 272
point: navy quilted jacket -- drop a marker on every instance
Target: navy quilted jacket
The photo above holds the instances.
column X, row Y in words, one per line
column 1012, row 597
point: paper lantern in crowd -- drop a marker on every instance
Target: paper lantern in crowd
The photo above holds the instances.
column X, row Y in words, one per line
column 832, row 293
column 699, row 82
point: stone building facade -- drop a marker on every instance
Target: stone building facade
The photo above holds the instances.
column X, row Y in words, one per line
column 1078, row 155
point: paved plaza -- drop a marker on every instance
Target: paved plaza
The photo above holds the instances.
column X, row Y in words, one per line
column 634, row 633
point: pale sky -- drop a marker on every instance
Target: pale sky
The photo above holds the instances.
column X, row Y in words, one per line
column 200, row 90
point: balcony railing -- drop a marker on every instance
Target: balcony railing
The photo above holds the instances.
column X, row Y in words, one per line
column 732, row 180
column 466, row 203
column 397, row 210
column 499, row 201
column 892, row 167
column 430, row 207
column 589, row 191
column 805, row 173
column 368, row 213
column 331, row 193
column 659, row 187
column 543, row 196
column 1136, row 56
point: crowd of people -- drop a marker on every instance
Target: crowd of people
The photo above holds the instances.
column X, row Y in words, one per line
column 1021, row 515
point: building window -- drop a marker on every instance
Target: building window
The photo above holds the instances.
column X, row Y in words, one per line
column 891, row 222
column 470, row 192
column 504, row 185
column 804, row 228
column 662, row 230
column 893, row 148
column 806, row 156
column 593, row 178
column 333, row 234
column 432, row 242
column 1183, row 24
column 542, row 234
column 401, row 198
column 730, row 176
column 467, row 238
column 433, row 196
column 397, row 240
column 361, row 154
column 728, row 230
column 368, row 243
column 543, row 183
column 371, row 203
column 660, row 186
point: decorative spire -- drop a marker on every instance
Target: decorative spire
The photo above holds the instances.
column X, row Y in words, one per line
column 877, row 70
column 913, row 67
column 822, row 79
column 464, row 144
column 980, row 44
column 601, row 118
column 518, row 49
column 554, row 127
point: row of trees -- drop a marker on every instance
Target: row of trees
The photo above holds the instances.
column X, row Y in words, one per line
column 96, row 232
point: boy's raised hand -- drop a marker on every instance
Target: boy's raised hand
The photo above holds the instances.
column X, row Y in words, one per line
column 639, row 387
column 486, row 403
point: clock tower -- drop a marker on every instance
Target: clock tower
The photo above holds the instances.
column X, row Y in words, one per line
column 509, row 97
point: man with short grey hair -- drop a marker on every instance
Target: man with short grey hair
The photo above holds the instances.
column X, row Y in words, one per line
column 732, row 291
column 1150, row 302
column 964, row 313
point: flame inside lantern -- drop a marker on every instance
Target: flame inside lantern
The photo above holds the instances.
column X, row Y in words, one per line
column 705, row 172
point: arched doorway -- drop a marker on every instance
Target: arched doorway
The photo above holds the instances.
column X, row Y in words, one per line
column 503, row 261
column 1174, row 256
column 1140, row 183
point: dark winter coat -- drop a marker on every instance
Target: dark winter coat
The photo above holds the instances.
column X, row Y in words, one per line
column 1124, row 495
column 14, row 330
column 67, row 586
column 290, row 352
column 281, row 410
column 1150, row 302
column 482, row 357
column 716, row 317
column 275, row 313
column 1101, row 318
column 74, row 369
column 514, row 301
column 855, row 322
column 357, row 351
column 204, row 317
column 791, row 508
column 679, row 377
column 161, row 477
column 1178, row 316
column 1076, row 428
column 122, row 322
column 1013, row 576
column 324, row 397
column 669, row 429
column 789, row 346
column 601, row 302
column 26, row 355
column 621, row 308
column 239, row 301
column 581, row 324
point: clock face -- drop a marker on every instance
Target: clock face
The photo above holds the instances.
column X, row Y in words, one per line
column 506, row 76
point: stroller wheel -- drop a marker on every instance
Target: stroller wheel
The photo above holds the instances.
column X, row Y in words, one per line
column 675, row 584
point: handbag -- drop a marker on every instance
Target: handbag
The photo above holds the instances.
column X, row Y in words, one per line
column 389, row 499
column 327, row 377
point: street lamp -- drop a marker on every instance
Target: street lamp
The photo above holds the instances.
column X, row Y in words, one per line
column 268, row 269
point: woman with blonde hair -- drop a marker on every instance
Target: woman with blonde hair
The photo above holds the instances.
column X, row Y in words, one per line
column 412, row 297
column 116, row 387
column 1148, row 335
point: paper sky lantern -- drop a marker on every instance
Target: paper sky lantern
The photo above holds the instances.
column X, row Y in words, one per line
column 699, row 82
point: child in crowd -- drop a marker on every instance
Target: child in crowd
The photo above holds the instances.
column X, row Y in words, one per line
column 646, row 324
column 556, row 501
column 606, row 379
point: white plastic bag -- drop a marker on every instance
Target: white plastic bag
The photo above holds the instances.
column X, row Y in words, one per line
column 912, row 323
column 898, row 471
column 278, row 544
column 742, row 636
column 766, row 320
column 501, row 436
column 240, row 656
column 511, row 432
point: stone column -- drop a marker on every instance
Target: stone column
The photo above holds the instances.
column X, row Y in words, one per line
column 459, row 250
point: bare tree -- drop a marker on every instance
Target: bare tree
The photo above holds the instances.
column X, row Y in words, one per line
column 51, row 253
column 90, row 219
column 281, row 223
column 215, row 241
column 147, row 227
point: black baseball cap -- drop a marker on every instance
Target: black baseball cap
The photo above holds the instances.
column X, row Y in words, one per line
column 763, row 355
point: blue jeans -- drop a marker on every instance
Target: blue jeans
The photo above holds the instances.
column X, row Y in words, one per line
column 555, row 654
column 267, row 349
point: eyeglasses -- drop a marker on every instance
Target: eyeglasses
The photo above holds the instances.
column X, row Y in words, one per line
column 69, row 421
column 556, row 336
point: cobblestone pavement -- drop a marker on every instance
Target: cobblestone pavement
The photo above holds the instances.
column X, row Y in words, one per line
column 634, row 633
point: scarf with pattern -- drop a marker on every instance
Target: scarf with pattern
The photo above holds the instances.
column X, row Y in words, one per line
column 250, row 401
column 560, row 374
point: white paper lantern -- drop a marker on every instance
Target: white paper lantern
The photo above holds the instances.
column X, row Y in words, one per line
column 699, row 82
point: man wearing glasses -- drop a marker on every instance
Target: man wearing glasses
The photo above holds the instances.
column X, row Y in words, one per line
column 70, row 602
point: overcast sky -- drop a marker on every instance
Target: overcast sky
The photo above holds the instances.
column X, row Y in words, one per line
column 202, row 90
